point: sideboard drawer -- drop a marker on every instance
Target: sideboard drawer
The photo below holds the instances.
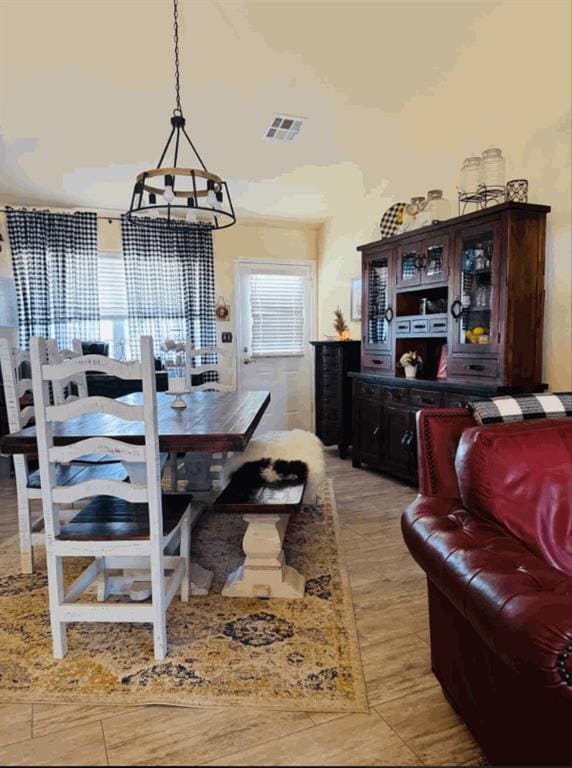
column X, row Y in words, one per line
column 396, row 394
column 376, row 362
column 371, row 391
column 475, row 367
column 425, row 398
column 420, row 326
column 456, row 400
column 438, row 325
column 402, row 326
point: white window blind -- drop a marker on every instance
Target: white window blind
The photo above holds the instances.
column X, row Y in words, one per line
column 277, row 311
column 111, row 285
column 112, row 291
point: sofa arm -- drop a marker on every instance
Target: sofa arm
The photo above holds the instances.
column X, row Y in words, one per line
column 533, row 635
column 519, row 605
column 422, row 519
column 438, row 433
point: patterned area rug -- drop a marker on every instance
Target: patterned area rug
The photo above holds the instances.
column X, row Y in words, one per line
column 282, row 654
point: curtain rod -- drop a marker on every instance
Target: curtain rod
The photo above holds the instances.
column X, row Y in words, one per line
column 48, row 210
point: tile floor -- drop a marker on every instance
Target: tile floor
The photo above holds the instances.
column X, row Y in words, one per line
column 409, row 722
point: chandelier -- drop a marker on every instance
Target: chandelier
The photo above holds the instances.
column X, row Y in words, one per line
column 160, row 191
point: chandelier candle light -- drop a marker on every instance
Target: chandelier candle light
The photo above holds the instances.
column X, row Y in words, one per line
column 201, row 194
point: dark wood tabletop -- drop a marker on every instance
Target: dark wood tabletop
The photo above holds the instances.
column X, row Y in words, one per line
column 212, row 421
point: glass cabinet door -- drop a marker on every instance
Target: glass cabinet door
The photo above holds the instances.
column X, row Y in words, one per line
column 409, row 265
column 435, row 267
column 378, row 302
column 474, row 305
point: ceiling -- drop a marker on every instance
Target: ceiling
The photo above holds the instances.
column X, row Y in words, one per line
column 87, row 93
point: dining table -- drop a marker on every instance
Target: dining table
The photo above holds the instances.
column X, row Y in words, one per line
column 210, row 422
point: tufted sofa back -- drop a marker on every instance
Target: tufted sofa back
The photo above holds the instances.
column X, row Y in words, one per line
column 520, row 475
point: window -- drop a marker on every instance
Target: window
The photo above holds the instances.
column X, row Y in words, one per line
column 277, row 314
column 113, row 304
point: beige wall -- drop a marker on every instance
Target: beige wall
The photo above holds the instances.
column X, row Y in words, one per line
column 523, row 108
column 253, row 240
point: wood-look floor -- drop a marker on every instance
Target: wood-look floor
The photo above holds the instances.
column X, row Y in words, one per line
column 409, row 722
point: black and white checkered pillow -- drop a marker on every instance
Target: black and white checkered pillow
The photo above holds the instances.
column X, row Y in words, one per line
column 548, row 405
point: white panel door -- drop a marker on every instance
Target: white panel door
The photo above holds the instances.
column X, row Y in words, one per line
column 276, row 308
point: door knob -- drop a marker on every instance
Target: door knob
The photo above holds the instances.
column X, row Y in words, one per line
column 247, row 362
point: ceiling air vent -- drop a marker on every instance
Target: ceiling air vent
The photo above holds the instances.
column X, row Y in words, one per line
column 284, row 128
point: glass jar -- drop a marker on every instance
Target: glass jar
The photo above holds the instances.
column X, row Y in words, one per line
column 471, row 175
column 493, row 168
column 410, row 214
column 438, row 207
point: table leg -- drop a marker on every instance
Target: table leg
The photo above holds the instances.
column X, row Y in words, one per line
column 264, row 572
column 197, row 471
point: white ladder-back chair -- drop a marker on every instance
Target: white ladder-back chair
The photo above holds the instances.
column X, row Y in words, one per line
column 61, row 391
column 16, row 370
column 225, row 368
column 207, row 469
column 16, row 384
column 124, row 526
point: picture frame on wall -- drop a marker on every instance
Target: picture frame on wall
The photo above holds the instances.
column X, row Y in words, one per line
column 356, row 299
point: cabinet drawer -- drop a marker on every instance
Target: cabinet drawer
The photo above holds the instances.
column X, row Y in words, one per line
column 425, row 398
column 327, row 368
column 395, row 394
column 455, row 400
column 438, row 325
column 475, row 367
column 328, row 353
column 327, row 385
column 420, row 326
column 402, row 326
column 328, row 409
column 372, row 391
column 376, row 362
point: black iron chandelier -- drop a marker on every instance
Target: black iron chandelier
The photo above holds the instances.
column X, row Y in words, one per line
column 159, row 191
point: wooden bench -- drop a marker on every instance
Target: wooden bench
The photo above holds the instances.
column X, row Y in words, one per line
column 266, row 507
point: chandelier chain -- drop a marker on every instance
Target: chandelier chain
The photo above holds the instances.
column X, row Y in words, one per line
column 177, row 70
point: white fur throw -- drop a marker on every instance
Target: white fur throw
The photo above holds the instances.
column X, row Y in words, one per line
column 296, row 444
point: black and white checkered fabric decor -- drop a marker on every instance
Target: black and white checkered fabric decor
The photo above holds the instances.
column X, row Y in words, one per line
column 391, row 220
column 548, row 405
column 169, row 271
column 54, row 256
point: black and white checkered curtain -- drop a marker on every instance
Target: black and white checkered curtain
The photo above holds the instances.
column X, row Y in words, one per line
column 54, row 256
column 169, row 270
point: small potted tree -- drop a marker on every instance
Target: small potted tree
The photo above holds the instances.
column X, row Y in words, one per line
column 411, row 362
column 340, row 325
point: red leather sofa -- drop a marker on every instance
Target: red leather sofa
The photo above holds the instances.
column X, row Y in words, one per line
column 492, row 529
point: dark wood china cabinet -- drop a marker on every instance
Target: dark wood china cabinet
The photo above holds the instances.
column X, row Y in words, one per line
column 473, row 285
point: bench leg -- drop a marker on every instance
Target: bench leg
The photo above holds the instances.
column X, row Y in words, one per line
column 264, row 572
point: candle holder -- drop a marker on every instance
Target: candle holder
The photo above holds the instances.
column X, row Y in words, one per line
column 175, row 365
column 178, row 403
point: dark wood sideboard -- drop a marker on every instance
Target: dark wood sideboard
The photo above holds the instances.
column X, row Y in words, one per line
column 334, row 360
column 474, row 283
